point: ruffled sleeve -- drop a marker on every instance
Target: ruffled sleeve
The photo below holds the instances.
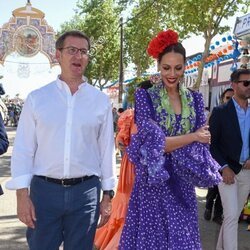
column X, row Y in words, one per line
column 199, row 109
column 194, row 163
column 146, row 149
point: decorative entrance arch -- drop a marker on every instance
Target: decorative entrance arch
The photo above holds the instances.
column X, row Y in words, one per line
column 27, row 33
column 27, row 51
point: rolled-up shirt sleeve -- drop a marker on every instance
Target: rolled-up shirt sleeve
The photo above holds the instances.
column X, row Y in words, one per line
column 107, row 151
column 24, row 149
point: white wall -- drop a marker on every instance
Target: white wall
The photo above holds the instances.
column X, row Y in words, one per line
column 24, row 74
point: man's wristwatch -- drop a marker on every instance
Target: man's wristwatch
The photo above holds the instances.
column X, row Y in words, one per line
column 111, row 193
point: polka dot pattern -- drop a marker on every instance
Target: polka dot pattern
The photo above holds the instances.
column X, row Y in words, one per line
column 162, row 212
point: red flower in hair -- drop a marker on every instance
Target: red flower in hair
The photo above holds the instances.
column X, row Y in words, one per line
column 161, row 41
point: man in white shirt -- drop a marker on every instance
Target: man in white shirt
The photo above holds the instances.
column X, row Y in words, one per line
column 63, row 155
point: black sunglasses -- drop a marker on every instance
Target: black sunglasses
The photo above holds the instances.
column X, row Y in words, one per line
column 246, row 83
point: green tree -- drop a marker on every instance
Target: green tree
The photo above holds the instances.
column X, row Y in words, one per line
column 140, row 27
column 187, row 17
column 147, row 19
column 203, row 17
column 99, row 20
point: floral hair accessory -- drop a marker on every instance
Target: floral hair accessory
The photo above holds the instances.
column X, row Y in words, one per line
column 161, row 41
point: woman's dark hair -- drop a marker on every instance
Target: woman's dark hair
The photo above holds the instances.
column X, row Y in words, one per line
column 235, row 76
column 74, row 33
column 225, row 91
column 120, row 110
column 145, row 84
column 177, row 48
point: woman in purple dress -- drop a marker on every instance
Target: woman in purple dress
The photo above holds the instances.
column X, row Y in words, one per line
column 171, row 156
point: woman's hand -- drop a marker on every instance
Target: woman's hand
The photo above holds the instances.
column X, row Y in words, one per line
column 203, row 135
column 200, row 135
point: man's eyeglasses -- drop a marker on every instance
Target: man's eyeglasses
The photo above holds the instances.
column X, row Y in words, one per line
column 246, row 83
column 73, row 51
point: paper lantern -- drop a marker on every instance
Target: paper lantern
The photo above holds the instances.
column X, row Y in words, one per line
column 199, row 57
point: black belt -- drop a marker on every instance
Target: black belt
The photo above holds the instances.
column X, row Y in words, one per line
column 66, row 182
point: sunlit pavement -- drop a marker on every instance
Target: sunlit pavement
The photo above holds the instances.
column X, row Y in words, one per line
column 12, row 232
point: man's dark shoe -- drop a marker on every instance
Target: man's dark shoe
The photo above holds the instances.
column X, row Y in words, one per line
column 218, row 220
column 207, row 214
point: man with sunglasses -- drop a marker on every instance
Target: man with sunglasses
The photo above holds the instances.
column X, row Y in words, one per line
column 230, row 141
column 63, row 155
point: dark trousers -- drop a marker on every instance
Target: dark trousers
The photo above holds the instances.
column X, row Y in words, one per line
column 64, row 214
column 213, row 200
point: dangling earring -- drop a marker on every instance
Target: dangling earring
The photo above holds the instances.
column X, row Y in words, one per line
column 182, row 80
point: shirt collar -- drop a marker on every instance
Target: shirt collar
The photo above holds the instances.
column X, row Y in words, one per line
column 62, row 84
column 237, row 106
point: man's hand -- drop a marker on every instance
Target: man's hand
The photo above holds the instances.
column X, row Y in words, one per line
column 247, row 164
column 228, row 175
column 25, row 208
column 105, row 210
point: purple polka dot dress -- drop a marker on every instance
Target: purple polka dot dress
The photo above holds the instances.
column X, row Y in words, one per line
column 162, row 212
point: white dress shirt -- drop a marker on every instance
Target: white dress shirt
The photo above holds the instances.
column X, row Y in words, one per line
column 61, row 135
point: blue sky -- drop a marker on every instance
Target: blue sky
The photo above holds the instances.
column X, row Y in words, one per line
column 56, row 11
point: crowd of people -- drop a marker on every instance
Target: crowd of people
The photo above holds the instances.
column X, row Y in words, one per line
column 63, row 159
column 10, row 109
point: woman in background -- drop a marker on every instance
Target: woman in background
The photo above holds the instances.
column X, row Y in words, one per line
column 108, row 236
